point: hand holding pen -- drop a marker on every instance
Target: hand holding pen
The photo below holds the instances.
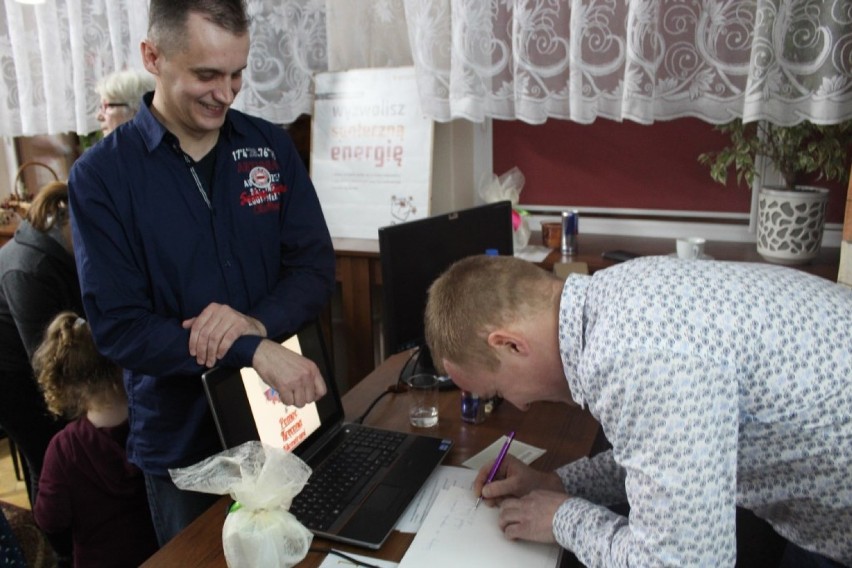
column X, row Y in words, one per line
column 497, row 463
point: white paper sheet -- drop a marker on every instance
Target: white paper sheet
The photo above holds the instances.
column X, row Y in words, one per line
column 334, row 561
column 533, row 253
column 444, row 477
column 455, row 533
column 524, row 452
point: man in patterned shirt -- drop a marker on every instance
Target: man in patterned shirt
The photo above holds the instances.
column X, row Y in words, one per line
column 719, row 384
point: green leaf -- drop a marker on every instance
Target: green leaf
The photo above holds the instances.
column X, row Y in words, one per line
column 797, row 150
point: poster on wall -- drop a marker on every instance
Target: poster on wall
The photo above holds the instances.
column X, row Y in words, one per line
column 371, row 150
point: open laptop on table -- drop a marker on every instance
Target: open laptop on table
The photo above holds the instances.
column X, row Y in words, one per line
column 364, row 514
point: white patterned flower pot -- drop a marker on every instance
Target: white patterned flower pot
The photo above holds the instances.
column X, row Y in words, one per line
column 790, row 223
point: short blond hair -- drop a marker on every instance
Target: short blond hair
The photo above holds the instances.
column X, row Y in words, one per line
column 125, row 87
column 477, row 295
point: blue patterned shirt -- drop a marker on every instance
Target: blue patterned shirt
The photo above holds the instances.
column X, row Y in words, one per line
column 719, row 384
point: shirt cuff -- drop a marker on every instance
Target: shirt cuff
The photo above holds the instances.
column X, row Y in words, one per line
column 242, row 351
column 586, row 529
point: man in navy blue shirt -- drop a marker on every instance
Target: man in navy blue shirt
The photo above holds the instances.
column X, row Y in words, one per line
column 198, row 235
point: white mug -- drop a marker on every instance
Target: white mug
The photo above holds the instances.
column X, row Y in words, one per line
column 690, row 247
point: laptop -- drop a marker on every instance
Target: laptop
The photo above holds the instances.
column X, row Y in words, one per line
column 363, row 514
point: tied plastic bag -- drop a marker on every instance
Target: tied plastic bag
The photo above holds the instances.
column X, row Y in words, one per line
column 260, row 531
column 508, row 187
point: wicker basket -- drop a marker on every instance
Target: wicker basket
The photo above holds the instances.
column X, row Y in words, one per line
column 21, row 197
column 19, row 191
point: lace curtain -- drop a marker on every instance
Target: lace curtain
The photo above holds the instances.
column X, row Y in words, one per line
column 640, row 60
column 288, row 45
column 51, row 56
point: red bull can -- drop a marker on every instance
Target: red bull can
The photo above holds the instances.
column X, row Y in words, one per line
column 570, row 227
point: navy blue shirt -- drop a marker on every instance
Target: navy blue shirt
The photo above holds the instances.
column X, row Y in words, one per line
column 152, row 252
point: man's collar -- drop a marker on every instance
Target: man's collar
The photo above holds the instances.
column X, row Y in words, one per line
column 571, row 331
column 154, row 133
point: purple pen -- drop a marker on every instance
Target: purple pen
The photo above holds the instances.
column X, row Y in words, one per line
column 497, row 463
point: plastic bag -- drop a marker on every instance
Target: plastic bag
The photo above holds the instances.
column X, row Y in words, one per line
column 508, row 187
column 260, row 531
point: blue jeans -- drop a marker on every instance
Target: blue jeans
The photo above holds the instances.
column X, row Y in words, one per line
column 172, row 509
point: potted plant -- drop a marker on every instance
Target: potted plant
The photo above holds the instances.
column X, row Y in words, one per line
column 791, row 217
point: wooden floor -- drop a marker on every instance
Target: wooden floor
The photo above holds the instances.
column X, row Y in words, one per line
column 11, row 490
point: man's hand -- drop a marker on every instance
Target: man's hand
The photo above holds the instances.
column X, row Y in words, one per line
column 297, row 379
column 214, row 330
column 531, row 517
column 513, row 479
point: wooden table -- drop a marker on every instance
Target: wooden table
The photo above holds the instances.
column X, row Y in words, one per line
column 591, row 247
column 566, row 433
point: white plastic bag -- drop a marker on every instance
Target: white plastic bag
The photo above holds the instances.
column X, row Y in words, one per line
column 508, row 187
column 263, row 480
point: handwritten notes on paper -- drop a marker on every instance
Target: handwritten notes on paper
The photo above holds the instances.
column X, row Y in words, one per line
column 455, row 533
column 444, row 477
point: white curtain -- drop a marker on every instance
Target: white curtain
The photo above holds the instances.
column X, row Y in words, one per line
column 51, row 56
column 288, row 45
column 367, row 33
column 642, row 60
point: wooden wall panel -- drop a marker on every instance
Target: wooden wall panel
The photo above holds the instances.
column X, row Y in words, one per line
column 626, row 165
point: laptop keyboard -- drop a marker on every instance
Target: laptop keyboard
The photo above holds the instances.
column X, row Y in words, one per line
column 338, row 480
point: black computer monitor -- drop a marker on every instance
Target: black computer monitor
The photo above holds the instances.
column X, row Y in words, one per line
column 415, row 253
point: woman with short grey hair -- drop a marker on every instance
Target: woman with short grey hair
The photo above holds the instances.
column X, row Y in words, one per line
column 121, row 94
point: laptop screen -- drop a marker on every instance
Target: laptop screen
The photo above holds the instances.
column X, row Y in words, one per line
column 278, row 425
column 245, row 408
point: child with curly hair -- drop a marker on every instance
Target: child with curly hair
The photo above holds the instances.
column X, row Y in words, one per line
column 87, row 485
